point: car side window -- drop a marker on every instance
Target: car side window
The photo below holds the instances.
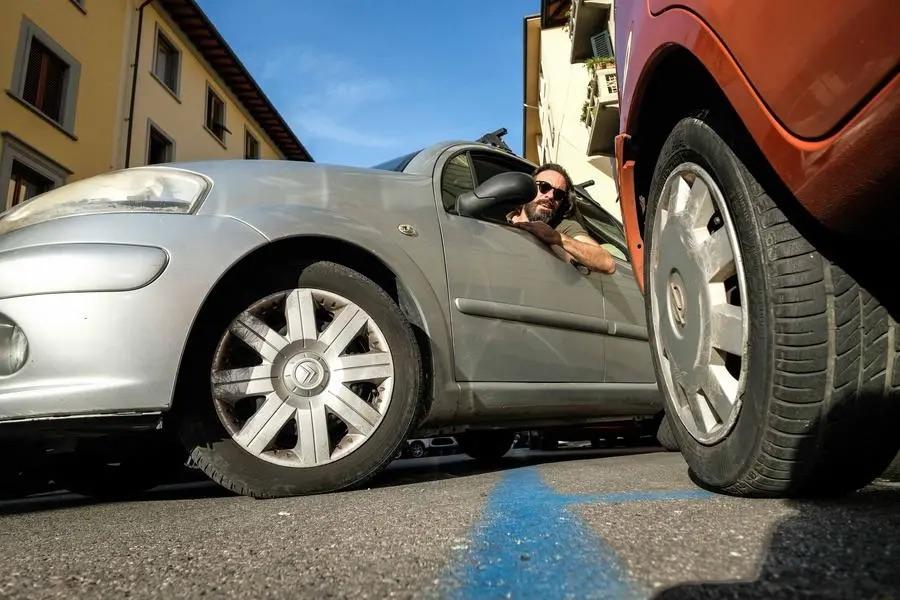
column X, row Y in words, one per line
column 602, row 226
column 487, row 165
column 456, row 180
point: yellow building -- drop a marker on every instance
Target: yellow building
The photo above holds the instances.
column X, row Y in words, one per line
column 76, row 104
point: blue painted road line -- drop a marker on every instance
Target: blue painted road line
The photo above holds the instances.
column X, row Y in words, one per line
column 529, row 545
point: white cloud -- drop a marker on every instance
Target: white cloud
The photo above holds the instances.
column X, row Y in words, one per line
column 324, row 126
column 330, row 93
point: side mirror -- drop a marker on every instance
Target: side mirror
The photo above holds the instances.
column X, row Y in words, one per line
column 505, row 191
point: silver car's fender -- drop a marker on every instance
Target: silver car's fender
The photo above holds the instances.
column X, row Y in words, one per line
column 98, row 343
column 363, row 208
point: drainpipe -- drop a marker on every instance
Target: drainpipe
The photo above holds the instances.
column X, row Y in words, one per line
column 134, row 75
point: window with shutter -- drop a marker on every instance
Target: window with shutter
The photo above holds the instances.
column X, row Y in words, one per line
column 251, row 146
column 45, row 81
column 25, row 183
column 166, row 62
column 215, row 115
column 25, row 172
column 602, row 44
column 160, row 148
column 45, row 77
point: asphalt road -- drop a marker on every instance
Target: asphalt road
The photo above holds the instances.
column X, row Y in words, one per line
column 582, row 524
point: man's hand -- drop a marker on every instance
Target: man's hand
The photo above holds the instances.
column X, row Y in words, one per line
column 583, row 250
column 542, row 231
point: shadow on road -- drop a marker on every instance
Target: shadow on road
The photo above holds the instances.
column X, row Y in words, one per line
column 411, row 471
column 65, row 499
column 839, row 548
column 400, row 472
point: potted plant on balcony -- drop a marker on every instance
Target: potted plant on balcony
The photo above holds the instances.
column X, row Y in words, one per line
column 603, row 77
column 600, row 63
column 587, row 113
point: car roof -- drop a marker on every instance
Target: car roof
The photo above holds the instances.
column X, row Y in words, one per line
column 423, row 162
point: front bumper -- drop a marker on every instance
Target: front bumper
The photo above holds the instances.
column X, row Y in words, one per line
column 106, row 304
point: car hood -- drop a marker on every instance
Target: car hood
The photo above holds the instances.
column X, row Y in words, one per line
column 241, row 187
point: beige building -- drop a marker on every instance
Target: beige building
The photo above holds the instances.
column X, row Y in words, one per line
column 95, row 85
column 571, row 114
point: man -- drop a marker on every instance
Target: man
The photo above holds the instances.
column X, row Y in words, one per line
column 545, row 218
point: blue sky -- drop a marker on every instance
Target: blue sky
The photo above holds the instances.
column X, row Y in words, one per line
column 362, row 81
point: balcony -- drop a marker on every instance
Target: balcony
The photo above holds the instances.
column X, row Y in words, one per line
column 604, row 129
column 589, row 18
column 601, row 111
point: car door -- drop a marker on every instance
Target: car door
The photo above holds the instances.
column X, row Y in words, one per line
column 627, row 351
column 518, row 312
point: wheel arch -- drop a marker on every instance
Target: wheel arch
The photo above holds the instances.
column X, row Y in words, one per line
column 699, row 95
column 297, row 251
column 656, row 110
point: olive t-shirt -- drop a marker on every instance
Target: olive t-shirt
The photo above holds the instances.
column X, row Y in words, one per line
column 571, row 228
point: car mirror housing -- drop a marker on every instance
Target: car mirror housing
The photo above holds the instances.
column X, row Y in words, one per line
column 503, row 191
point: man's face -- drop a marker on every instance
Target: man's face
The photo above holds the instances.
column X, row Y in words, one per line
column 551, row 191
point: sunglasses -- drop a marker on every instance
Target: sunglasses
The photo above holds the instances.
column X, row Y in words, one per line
column 544, row 187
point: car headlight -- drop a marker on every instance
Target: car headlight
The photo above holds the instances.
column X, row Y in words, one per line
column 145, row 189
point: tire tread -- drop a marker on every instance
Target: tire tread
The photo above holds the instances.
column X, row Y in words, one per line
column 816, row 369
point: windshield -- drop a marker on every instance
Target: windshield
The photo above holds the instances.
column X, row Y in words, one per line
column 397, row 164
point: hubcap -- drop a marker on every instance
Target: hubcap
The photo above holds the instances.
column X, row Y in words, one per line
column 306, row 374
column 676, row 299
column 302, row 378
column 697, row 303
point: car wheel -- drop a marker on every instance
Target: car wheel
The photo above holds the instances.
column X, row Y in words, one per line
column 486, row 446
column 780, row 373
column 665, row 437
column 310, row 386
column 417, row 449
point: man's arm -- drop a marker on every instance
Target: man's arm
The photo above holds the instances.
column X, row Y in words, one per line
column 588, row 252
column 582, row 248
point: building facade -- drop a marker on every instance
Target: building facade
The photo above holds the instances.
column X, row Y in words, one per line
column 96, row 85
column 570, row 108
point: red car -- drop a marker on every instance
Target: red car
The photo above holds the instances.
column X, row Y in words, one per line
column 759, row 170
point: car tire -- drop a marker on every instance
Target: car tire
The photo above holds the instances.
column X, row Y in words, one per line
column 486, row 446
column 801, row 361
column 665, row 437
column 416, row 450
column 343, row 447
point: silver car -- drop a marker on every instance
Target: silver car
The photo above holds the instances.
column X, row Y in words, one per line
column 293, row 323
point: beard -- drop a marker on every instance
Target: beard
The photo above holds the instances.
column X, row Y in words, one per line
column 538, row 211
